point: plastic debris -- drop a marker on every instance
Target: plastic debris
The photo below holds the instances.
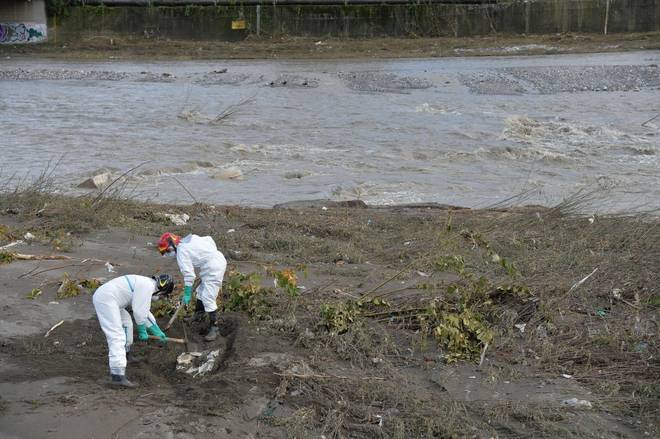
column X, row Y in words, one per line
column 110, row 267
column 178, row 219
column 197, row 363
column 641, row 347
column 577, row 403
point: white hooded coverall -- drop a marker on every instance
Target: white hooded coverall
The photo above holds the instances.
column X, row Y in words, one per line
column 200, row 252
column 110, row 301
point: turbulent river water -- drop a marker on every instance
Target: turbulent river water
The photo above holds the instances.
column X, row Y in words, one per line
column 465, row 131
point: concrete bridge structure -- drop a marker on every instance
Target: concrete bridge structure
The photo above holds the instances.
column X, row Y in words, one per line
column 23, row 21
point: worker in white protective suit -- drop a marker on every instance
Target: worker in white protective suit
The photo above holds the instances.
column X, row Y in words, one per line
column 111, row 300
column 198, row 252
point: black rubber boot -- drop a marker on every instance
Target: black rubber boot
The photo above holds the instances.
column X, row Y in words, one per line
column 198, row 316
column 213, row 331
column 213, row 334
column 121, row 381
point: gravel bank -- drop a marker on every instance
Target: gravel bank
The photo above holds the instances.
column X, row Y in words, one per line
column 559, row 79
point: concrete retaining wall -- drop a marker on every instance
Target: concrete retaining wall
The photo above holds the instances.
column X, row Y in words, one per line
column 22, row 21
column 215, row 22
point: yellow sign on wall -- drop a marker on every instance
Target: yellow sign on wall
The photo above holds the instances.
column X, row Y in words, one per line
column 238, row 24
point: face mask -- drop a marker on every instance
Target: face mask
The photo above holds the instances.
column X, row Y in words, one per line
column 155, row 298
column 170, row 255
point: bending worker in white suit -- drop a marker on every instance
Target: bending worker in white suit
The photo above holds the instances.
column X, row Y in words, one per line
column 198, row 252
column 111, row 300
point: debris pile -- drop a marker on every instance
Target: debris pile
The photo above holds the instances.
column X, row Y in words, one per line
column 197, row 363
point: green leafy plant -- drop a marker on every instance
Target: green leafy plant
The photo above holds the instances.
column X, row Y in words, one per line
column 36, row 292
column 479, row 241
column 68, row 287
column 90, row 284
column 462, row 319
column 245, row 293
column 338, row 317
column 7, row 257
column 165, row 307
column 462, row 334
column 287, row 280
column 5, row 233
column 451, row 263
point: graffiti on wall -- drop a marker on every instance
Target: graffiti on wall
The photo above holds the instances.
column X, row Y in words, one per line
column 17, row 33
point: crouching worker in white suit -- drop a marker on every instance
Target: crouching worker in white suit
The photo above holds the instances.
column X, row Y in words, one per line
column 111, row 300
column 198, row 252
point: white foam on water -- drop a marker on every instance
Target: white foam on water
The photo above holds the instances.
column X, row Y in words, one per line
column 571, row 140
column 382, row 193
column 435, row 109
column 185, row 168
column 283, row 150
column 507, row 49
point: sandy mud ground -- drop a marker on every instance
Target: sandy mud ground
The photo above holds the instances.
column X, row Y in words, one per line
column 378, row 331
column 113, row 47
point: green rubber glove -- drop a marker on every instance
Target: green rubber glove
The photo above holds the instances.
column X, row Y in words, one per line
column 187, row 294
column 155, row 330
column 142, row 333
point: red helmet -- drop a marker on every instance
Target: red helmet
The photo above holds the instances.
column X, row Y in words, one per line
column 168, row 240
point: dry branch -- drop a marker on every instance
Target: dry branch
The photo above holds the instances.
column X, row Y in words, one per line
column 651, row 119
column 25, row 257
column 53, row 328
column 232, row 109
column 577, row 284
column 483, row 354
column 11, row 244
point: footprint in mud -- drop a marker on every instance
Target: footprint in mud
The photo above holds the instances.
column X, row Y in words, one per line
column 228, row 329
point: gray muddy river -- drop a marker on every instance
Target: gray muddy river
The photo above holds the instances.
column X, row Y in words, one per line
column 465, row 131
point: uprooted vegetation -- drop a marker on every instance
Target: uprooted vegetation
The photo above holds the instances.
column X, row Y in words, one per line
column 460, row 314
column 71, row 287
column 395, row 300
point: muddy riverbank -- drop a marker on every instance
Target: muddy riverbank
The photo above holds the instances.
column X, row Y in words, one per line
column 104, row 48
column 560, row 320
